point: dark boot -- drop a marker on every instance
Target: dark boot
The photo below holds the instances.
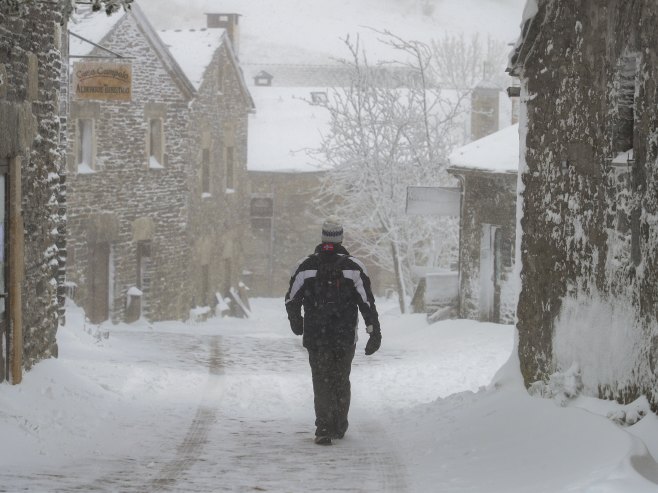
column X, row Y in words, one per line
column 323, row 440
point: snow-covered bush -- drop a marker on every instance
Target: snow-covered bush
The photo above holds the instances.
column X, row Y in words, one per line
column 562, row 387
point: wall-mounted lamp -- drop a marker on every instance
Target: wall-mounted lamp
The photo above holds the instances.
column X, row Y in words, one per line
column 514, row 91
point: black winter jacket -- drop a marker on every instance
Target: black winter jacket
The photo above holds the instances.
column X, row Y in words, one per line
column 339, row 327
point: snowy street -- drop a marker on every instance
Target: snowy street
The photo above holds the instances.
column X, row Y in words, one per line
column 226, row 405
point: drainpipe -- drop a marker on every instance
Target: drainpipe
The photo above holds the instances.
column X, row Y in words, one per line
column 462, row 186
column 16, row 266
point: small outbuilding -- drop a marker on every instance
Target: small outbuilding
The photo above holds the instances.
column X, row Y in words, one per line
column 487, row 170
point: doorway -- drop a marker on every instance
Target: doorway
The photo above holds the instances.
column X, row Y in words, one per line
column 4, row 227
column 490, row 272
column 99, row 283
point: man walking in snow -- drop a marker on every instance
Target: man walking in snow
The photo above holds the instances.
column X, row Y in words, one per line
column 333, row 287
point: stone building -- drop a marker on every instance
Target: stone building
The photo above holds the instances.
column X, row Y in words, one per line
column 156, row 181
column 487, row 170
column 285, row 217
column 31, row 186
column 287, row 206
column 588, row 301
column 218, row 182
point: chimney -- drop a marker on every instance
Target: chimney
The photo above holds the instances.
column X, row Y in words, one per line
column 230, row 22
column 484, row 110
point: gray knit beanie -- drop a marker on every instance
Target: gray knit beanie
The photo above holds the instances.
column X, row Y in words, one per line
column 332, row 230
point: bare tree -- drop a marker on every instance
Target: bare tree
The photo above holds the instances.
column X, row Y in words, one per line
column 387, row 133
column 67, row 7
column 461, row 63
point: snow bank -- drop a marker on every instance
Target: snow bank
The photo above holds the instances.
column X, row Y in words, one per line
column 601, row 337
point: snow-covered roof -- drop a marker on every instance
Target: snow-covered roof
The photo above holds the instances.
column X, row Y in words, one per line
column 515, row 56
column 93, row 26
column 193, row 49
column 283, row 128
column 497, row 152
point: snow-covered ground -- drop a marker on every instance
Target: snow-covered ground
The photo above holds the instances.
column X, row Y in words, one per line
column 226, row 405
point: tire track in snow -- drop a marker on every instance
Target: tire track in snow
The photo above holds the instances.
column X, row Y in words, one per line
column 260, row 448
column 127, row 475
column 189, row 451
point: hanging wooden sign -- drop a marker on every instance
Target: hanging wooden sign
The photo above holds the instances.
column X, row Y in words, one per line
column 106, row 81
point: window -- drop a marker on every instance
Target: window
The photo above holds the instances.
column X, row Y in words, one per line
column 230, row 165
column 156, row 142
column 84, row 118
column 263, row 79
column 205, row 285
column 205, row 172
column 85, row 145
column 262, row 210
column 143, row 261
column 627, row 81
column 318, row 97
column 228, row 274
column 220, row 79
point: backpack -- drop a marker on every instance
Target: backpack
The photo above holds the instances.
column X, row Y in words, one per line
column 329, row 289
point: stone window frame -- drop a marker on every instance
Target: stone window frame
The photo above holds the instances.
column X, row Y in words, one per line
column 155, row 158
column 206, row 173
column 221, row 76
column 84, row 110
column 230, row 161
column 229, row 155
column 261, row 217
column 627, row 82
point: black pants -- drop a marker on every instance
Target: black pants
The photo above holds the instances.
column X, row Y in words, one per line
column 330, row 368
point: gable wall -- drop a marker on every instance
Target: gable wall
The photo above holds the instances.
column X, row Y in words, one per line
column 217, row 220
column 124, row 189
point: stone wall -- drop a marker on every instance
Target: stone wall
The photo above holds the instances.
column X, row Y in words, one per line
column 218, row 211
column 590, row 232
column 30, row 67
column 277, row 242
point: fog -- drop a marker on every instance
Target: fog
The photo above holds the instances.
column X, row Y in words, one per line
column 296, row 31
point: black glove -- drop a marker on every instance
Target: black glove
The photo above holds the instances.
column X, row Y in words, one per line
column 374, row 342
column 297, row 326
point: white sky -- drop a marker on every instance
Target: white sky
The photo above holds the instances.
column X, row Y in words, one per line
column 310, row 30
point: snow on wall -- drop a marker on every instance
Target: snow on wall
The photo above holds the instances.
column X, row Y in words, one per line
column 590, row 234
column 601, row 338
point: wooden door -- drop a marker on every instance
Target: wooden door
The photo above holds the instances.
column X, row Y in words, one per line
column 4, row 226
column 487, row 272
column 99, row 283
column 497, row 273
